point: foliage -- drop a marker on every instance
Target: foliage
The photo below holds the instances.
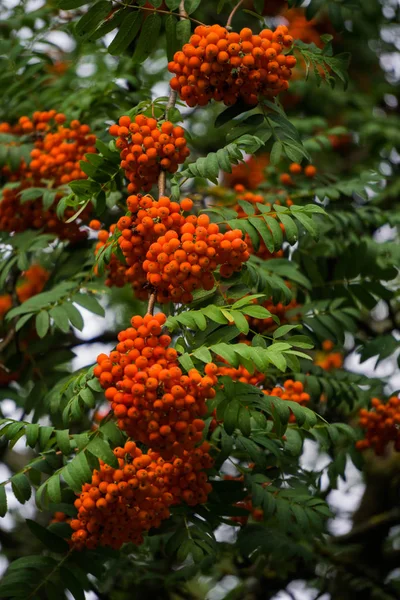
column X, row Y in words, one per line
column 308, row 181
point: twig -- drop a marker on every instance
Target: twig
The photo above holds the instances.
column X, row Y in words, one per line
column 182, row 12
column 229, row 21
column 152, row 301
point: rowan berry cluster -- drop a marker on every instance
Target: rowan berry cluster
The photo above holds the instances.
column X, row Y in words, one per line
column 55, row 158
column 296, row 169
column 328, row 360
column 290, row 390
column 33, row 281
column 153, row 401
column 170, row 253
column 280, row 310
column 240, row 374
column 248, row 174
column 119, row 505
column 301, row 28
column 225, row 66
column 147, row 148
column 381, row 425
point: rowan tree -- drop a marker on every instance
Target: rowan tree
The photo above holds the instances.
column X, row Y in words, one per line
column 199, row 254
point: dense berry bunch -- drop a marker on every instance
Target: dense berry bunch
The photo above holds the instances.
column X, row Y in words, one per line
column 153, row 401
column 169, row 252
column 147, row 148
column 225, row 66
column 248, row 174
column 280, row 310
column 119, row 505
column 381, row 425
column 240, row 374
column 290, row 390
column 33, row 281
column 300, row 28
column 328, row 360
column 56, row 157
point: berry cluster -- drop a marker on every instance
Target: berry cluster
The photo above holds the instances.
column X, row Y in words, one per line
column 55, row 158
column 248, row 174
column 147, row 148
column 119, row 505
column 280, row 310
column 170, row 253
column 296, row 169
column 381, row 425
column 290, row 390
column 225, row 66
column 33, row 282
column 240, row 374
column 153, row 401
column 328, row 360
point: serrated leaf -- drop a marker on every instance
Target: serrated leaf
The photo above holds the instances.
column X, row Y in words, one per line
column 91, row 19
column 74, row 315
column 60, row 317
column 126, row 33
column 42, row 323
column 21, row 487
column 3, row 501
column 49, row 539
column 102, row 450
column 89, row 302
column 148, row 37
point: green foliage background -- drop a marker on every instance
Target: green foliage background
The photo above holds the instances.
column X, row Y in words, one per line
column 341, row 255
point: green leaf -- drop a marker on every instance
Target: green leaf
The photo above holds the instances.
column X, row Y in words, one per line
column 291, row 230
column 21, row 488
column 148, row 37
column 264, row 232
column 60, row 317
column 126, row 33
column 102, row 450
column 42, row 323
column 183, row 31
column 244, row 421
column 91, row 19
column 276, row 153
column 203, row 354
column 170, row 33
column 72, row 583
column 50, row 540
column 74, row 315
column 276, row 231
column 32, row 434
column 172, row 4
column 53, row 488
column 307, row 223
column 191, row 6
column 231, row 415
column 89, row 302
column 3, row 501
column 63, row 441
column 21, row 322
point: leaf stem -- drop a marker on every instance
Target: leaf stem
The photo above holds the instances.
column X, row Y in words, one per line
column 229, row 21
